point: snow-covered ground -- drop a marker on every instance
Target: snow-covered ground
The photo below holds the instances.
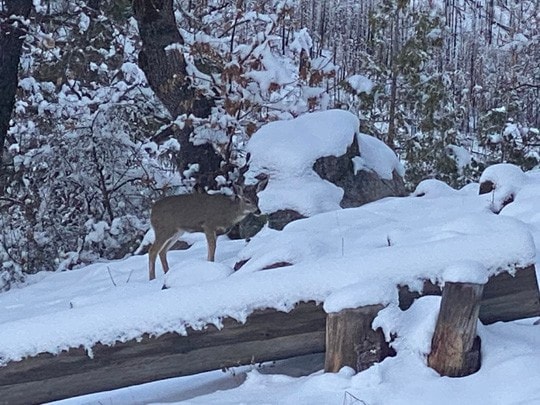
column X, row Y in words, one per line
column 343, row 258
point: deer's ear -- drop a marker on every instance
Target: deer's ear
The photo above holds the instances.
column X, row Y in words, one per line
column 262, row 182
column 238, row 190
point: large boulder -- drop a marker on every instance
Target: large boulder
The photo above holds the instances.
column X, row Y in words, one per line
column 359, row 186
column 319, row 162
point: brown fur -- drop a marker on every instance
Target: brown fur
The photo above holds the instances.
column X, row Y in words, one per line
column 212, row 214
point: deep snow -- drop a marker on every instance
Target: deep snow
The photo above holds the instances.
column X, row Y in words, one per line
column 57, row 310
column 344, row 258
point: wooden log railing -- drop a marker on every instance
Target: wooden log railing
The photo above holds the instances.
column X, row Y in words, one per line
column 266, row 335
column 505, row 298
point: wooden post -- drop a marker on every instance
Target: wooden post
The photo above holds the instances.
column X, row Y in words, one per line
column 506, row 296
column 350, row 340
column 455, row 349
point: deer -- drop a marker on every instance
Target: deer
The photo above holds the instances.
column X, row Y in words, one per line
column 213, row 214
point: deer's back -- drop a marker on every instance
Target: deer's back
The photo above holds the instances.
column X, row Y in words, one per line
column 193, row 212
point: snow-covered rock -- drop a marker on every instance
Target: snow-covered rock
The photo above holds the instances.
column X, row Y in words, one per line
column 317, row 163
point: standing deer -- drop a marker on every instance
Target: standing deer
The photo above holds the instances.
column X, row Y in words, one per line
column 212, row 214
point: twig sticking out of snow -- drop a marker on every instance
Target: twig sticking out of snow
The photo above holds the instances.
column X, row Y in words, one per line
column 129, row 277
column 110, row 275
column 350, row 399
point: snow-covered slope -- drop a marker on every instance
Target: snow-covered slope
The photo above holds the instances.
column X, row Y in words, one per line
column 344, row 258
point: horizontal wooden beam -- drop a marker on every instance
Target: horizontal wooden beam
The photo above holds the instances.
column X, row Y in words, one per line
column 266, row 335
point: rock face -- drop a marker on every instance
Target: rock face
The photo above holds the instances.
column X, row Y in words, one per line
column 319, row 162
column 278, row 220
column 360, row 187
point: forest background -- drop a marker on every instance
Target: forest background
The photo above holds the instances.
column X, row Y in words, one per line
column 95, row 131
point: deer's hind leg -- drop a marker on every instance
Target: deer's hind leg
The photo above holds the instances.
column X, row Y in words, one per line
column 159, row 247
column 156, row 247
column 163, row 253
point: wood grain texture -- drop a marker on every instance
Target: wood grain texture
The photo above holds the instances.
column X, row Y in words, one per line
column 455, row 332
column 350, row 340
column 266, row 335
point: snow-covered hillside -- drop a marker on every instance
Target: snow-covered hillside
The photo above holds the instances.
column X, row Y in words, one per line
column 343, row 258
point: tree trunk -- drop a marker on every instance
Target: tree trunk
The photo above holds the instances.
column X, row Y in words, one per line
column 391, row 136
column 166, row 71
column 11, row 41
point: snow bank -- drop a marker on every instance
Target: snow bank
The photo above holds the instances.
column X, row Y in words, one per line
column 344, row 258
column 387, row 224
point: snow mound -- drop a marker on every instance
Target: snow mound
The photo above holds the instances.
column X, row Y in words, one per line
column 377, row 157
column 291, row 146
column 432, row 188
column 466, row 271
column 285, row 151
column 507, row 180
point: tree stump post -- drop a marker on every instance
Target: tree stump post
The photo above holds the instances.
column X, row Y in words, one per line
column 350, row 340
column 455, row 348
